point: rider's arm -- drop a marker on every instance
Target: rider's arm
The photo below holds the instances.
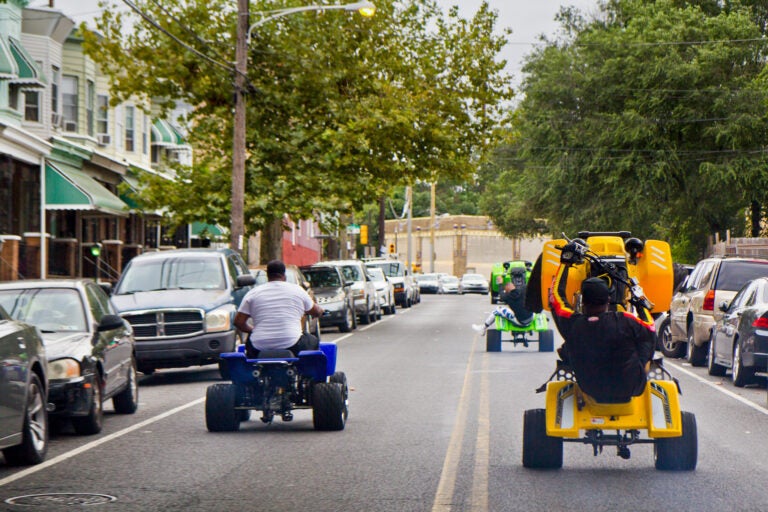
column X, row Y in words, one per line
column 241, row 322
column 316, row 311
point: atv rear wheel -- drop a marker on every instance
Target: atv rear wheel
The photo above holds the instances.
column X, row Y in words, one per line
column 220, row 412
column 328, row 408
column 539, row 449
column 678, row 453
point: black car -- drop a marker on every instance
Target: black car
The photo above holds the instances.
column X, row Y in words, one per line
column 740, row 337
column 182, row 304
column 334, row 295
column 90, row 349
column 23, row 393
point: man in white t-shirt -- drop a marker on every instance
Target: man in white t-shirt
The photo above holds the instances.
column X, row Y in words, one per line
column 276, row 309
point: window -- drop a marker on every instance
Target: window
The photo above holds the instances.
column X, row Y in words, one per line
column 32, row 106
column 102, row 114
column 144, row 134
column 130, row 113
column 90, row 105
column 55, row 79
column 69, row 101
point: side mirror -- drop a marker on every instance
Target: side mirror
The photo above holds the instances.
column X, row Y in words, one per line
column 110, row 323
column 107, row 287
column 245, row 280
column 724, row 306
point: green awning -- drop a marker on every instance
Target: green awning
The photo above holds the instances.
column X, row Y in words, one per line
column 8, row 67
column 29, row 73
column 165, row 134
column 210, row 230
column 68, row 188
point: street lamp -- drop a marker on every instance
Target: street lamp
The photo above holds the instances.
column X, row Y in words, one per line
column 237, row 226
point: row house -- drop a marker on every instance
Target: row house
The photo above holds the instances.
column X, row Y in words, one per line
column 70, row 160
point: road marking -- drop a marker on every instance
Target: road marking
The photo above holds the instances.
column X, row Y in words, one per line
column 444, row 495
column 720, row 388
column 111, row 437
column 482, row 443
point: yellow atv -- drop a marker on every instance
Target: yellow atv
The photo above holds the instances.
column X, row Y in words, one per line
column 570, row 415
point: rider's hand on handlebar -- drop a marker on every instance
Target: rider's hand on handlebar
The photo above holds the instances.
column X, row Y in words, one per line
column 572, row 253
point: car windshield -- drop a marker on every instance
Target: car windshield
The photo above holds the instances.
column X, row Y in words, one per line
column 390, row 269
column 321, row 278
column 173, row 274
column 49, row 309
column 473, row 277
column 427, row 277
column 733, row 275
column 376, row 274
column 352, row 273
column 449, row 279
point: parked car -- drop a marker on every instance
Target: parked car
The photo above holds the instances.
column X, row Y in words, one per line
column 473, row 283
column 182, row 304
column 692, row 312
column 384, row 289
column 334, row 295
column 23, row 393
column 90, row 349
column 363, row 290
column 448, row 284
column 293, row 274
column 740, row 337
column 406, row 291
column 428, row 283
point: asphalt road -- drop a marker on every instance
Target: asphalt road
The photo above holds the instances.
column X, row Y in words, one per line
column 435, row 425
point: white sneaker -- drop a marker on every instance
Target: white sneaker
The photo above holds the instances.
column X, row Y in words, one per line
column 479, row 328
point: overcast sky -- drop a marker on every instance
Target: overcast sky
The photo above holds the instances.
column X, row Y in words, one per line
column 527, row 19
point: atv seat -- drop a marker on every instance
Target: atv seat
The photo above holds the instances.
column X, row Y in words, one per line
column 608, row 409
column 281, row 353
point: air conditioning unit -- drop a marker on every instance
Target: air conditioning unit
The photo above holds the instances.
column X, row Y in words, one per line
column 104, row 139
column 56, row 119
column 70, row 126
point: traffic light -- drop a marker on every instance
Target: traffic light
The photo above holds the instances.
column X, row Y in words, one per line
column 391, row 248
column 364, row 234
column 96, row 250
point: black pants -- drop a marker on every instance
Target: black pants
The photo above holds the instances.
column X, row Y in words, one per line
column 306, row 341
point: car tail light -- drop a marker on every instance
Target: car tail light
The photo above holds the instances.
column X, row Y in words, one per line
column 760, row 323
column 709, row 301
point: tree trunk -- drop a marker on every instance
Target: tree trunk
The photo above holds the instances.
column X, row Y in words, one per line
column 755, row 216
column 272, row 241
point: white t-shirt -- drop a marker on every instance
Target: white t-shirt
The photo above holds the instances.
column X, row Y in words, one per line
column 276, row 309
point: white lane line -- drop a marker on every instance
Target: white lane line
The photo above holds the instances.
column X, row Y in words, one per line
column 719, row 388
column 482, row 443
column 84, row 448
column 444, row 495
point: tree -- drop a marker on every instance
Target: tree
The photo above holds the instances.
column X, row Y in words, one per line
column 340, row 108
column 642, row 118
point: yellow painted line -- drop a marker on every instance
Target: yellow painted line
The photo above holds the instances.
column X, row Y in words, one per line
column 482, row 443
column 444, row 495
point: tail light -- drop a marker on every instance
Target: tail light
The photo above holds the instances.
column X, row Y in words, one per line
column 709, row 301
column 760, row 323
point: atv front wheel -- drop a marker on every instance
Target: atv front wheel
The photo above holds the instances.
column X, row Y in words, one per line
column 328, row 409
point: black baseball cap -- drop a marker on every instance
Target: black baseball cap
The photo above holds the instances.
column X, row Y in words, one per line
column 594, row 291
column 275, row 268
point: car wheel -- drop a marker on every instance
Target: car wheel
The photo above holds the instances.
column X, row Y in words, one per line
column 34, row 436
column 671, row 349
column 348, row 321
column 741, row 375
column 697, row 356
column 539, row 449
column 365, row 318
column 146, row 370
column 220, row 412
column 93, row 422
column 713, row 368
column 678, row 453
column 127, row 401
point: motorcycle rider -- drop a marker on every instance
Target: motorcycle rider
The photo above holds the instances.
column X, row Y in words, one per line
column 276, row 309
column 513, row 295
column 609, row 351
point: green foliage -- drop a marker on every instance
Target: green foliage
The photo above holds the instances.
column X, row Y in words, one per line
column 340, row 110
column 649, row 117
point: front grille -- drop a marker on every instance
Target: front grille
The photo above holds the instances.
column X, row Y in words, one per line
column 166, row 323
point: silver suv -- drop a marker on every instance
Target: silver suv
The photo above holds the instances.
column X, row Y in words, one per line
column 363, row 290
column 693, row 313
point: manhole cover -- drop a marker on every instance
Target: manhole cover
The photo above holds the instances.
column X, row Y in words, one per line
column 61, row 498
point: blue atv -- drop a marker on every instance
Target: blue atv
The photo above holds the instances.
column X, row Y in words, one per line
column 277, row 383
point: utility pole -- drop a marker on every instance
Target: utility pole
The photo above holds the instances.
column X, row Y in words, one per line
column 409, row 200
column 432, row 227
column 237, row 226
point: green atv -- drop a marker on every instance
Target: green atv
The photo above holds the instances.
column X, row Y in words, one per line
column 505, row 271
